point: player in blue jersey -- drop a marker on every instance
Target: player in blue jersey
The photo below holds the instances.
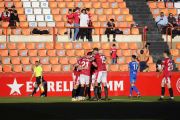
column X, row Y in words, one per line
column 133, row 68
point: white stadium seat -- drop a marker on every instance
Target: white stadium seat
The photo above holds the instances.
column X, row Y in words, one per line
column 44, row 4
column 178, row 11
column 28, row 11
column 42, row 0
column 42, row 24
column 37, row 11
column 24, row 0
column 50, row 24
column 33, row 24
column 46, row 11
column 35, row 4
column 30, row 17
column 177, row 5
column 39, row 17
column 26, row 4
column 33, row 0
column 48, row 18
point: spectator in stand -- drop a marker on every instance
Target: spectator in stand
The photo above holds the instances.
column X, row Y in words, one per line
column 178, row 21
column 5, row 15
column 76, row 22
column 84, row 20
column 158, row 65
column 171, row 20
column 161, row 21
column 13, row 18
column 70, row 23
column 147, row 69
column 90, row 25
column 113, row 53
column 111, row 30
column 12, row 9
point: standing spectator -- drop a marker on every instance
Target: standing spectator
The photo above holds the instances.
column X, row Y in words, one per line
column 147, row 69
column 161, row 21
column 158, row 65
column 113, row 53
column 84, row 20
column 168, row 1
column 171, row 20
column 13, row 18
column 178, row 21
column 90, row 24
column 70, row 23
column 76, row 22
column 5, row 15
column 13, row 8
column 111, row 30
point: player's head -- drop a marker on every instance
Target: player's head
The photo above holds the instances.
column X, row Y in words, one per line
column 147, row 67
column 87, row 10
column 114, row 45
column 70, row 11
column 77, row 9
column 95, row 50
column 166, row 53
column 36, row 63
column 89, row 54
column 133, row 57
column 78, row 57
column 6, row 9
column 142, row 51
column 159, row 62
column 13, row 7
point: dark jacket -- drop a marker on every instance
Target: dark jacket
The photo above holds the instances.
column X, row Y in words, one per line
column 13, row 17
column 108, row 30
column 171, row 20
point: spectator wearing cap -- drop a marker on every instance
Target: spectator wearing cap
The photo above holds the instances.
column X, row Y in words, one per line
column 84, row 20
column 5, row 15
column 90, row 24
column 70, row 23
column 113, row 53
column 13, row 18
column 76, row 16
column 178, row 21
column 111, row 30
column 161, row 21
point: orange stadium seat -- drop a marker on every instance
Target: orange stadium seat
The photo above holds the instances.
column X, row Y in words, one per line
column 175, row 52
column 77, row 45
column 70, row 52
column 62, row 5
column 9, row 32
column 98, row 45
column 124, row 46
column 122, row 4
column 79, row 52
column 113, row 5
column 152, row 4
column 22, row 52
column 96, row 4
column 68, row 46
column 150, row 60
column 1, row 68
column 99, row 11
column 173, row 11
column 133, row 45
column 58, row 18
column 179, row 67
column 120, row 60
column 1, row 9
column 120, row 17
column 108, row 11
column 114, row 67
column 88, row 4
column 165, row 11
column 63, row 11
column 34, row 59
column 152, row 68
column 160, row 5
column 51, row 32
column 169, row 5
column 119, row 53
column 103, row 24
column 42, row 53
column 61, row 52
column 8, row 4
column 72, row 60
column 59, row 46
column 87, row 46
column 123, row 24
column 56, row 68
column 110, row 17
column 111, row 0
column 44, row 60
column 16, row 31
column 39, row 45
column 123, row 68
column 7, row 68
column 126, row 31
column 108, row 60
column 46, row 68
column 102, row 18
column 60, row 24
column 21, row 46
column 53, row 4
column 2, row 46
column 1, row 32
column 32, row 52
column 107, row 53
column 27, row 68
column 4, row 53
column 135, row 31
column 2, row 5
column 54, row 60
column 26, row 31
column 128, row 60
column 66, row 68
column 70, row 4
column 155, row 11
column 105, row 4
column 126, row 52
column 22, row 18
column 105, row 45
column 129, row 24
column 79, row 4
column 64, row 18
column 55, row 11
column 118, row 11
column 92, row 11
column 25, row 60
column 178, row 46
column 13, row 52
column 63, row 60
column 94, row 18
column 20, row 11
column 6, row 60
column 134, row 52
column 129, row 18
column 51, row 53
column 49, row 45
column 18, row 4
column 31, row 46
column 62, row 31
column 107, row 67
column 18, row 68
column 12, row 46
column 86, row 51
column 125, row 11
column 97, row 24
column 101, row 31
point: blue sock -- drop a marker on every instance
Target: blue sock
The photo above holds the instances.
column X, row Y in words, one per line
column 131, row 90
column 135, row 89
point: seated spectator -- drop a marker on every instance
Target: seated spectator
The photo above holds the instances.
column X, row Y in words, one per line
column 13, row 18
column 111, row 30
column 171, row 20
column 147, row 69
column 161, row 21
column 113, row 53
column 158, row 65
column 84, row 20
column 5, row 15
column 178, row 21
column 70, row 23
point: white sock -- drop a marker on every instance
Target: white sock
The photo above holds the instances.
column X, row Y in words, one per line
column 162, row 96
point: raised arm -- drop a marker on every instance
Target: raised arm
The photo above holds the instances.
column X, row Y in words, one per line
column 147, row 50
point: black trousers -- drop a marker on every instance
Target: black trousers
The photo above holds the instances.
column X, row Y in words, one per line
column 82, row 30
column 90, row 34
column 111, row 32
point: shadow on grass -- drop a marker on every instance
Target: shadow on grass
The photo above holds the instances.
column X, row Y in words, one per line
column 81, row 110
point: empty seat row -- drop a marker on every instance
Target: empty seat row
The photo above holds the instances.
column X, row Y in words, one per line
column 62, row 68
column 44, row 4
column 160, row 4
column 166, row 11
column 40, row 18
column 62, row 46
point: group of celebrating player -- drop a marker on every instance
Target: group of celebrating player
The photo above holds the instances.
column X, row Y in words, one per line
column 91, row 69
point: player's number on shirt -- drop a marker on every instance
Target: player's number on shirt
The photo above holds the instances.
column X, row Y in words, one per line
column 103, row 59
column 85, row 64
column 169, row 66
column 135, row 66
